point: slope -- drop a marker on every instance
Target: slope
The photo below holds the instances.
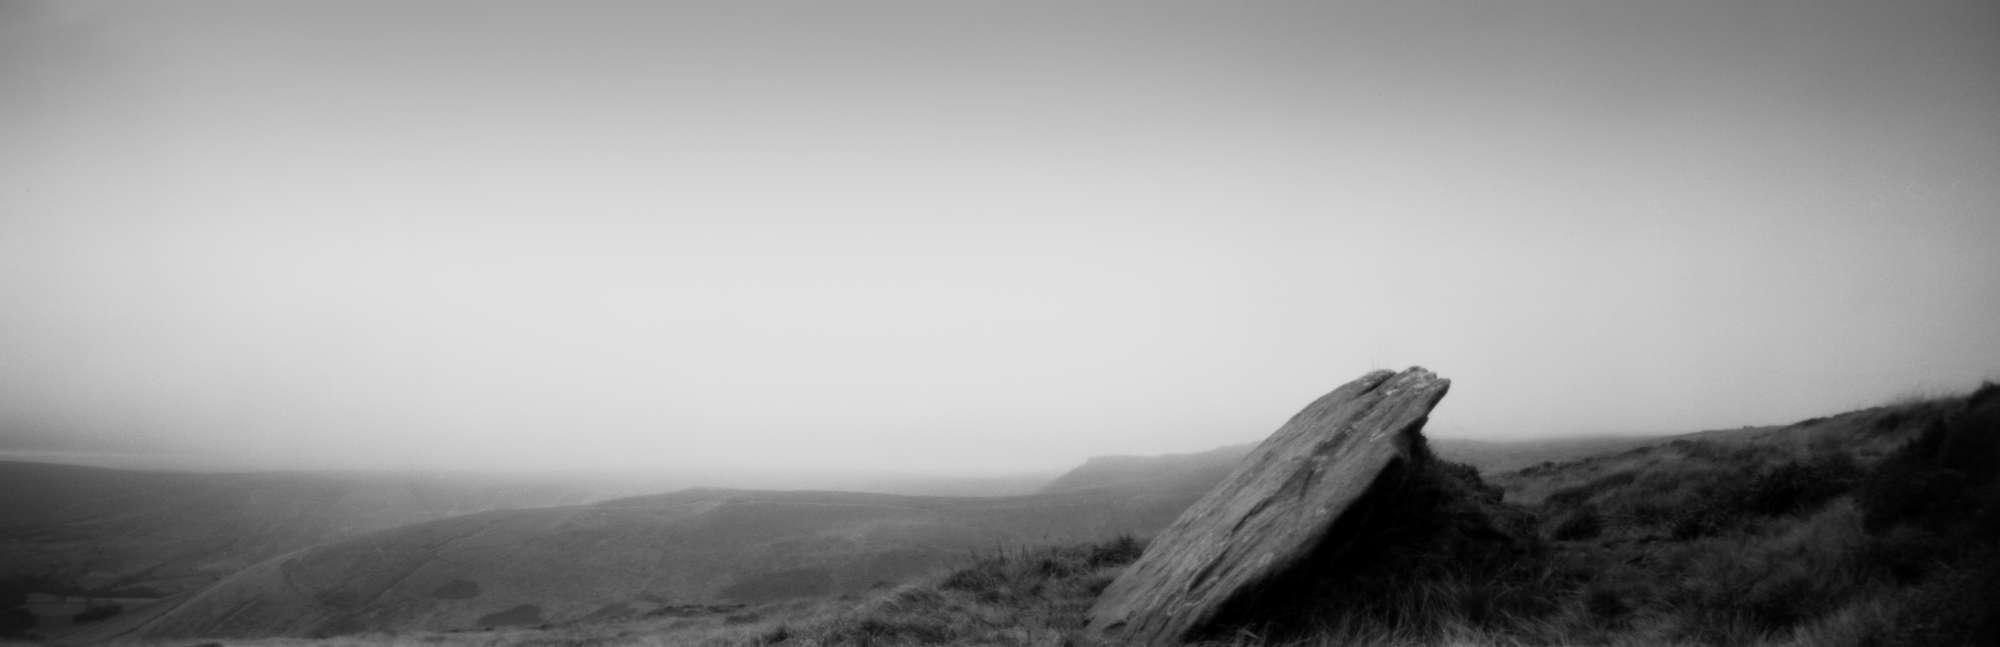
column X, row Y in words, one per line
column 83, row 545
column 638, row 556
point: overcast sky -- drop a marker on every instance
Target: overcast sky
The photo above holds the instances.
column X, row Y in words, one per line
column 974, row 237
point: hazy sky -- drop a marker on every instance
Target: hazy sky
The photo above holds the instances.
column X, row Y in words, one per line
column 974, row 237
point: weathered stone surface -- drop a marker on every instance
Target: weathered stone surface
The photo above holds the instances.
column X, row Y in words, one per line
column 1272, row 512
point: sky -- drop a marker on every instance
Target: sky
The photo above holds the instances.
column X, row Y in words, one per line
column 942, row 237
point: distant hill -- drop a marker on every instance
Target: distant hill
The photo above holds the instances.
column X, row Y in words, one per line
column 850, row 542
column 1185, row 471
column 86, row 530
column 639, row 556
column 1204, row 469
column 1866, row 435
column 79, row 529
column 77, row 536
column 1491, row 456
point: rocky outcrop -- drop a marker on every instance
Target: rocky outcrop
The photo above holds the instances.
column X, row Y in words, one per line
column 1273, row 513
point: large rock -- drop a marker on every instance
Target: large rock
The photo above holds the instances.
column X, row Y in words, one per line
column 1272, row 512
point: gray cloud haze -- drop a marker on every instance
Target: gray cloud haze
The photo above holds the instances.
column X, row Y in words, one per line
column 973, row 237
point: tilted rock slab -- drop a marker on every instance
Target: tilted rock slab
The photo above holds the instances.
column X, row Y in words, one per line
column 1271, row 513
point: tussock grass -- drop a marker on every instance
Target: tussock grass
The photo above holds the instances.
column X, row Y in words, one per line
column 1027, row 597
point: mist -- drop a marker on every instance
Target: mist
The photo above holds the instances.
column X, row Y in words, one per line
column 752, row 240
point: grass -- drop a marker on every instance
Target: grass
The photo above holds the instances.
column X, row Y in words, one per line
column 1743, row 544
column 1038, row 597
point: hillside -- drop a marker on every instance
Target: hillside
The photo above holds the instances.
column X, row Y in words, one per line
column 119, row 546
column 83, row 529
column 1197, row 471
column 1497, row 456
column 1203, row 469
column 640, row 555
column 73, row 537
